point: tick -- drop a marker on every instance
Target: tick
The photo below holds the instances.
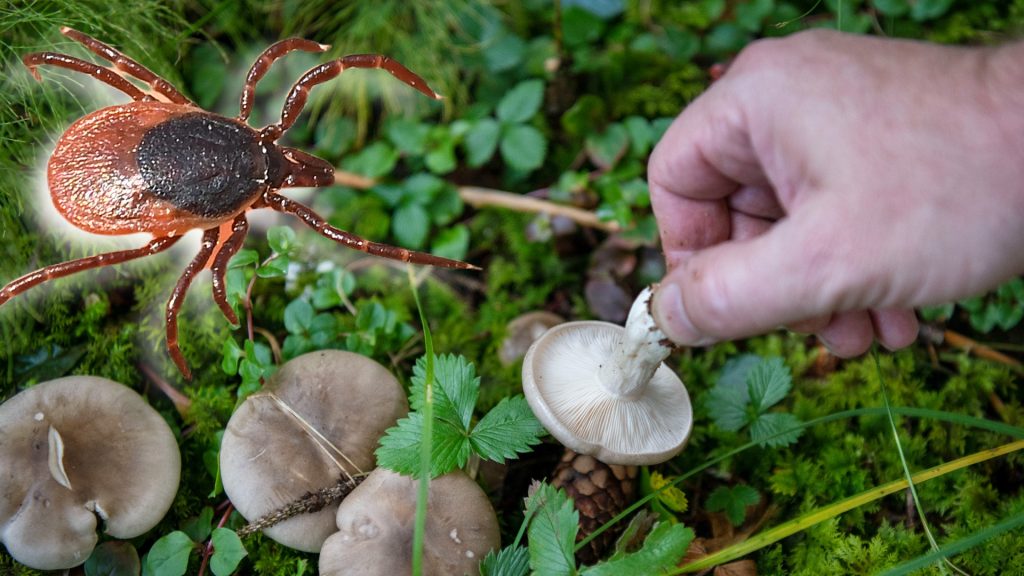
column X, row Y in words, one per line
column 164, row 166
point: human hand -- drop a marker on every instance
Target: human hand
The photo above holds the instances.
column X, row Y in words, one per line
column 830, row 183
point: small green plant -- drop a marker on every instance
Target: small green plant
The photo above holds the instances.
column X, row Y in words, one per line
column 170, row 555
column 733, row 501
column 522, row 146
column 748, row 387
column 552, row 526
column 505, row 431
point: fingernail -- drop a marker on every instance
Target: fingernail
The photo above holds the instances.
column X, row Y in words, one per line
column 670, row 315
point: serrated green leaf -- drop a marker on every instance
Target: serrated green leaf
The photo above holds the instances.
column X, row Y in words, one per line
column 410, row 225
column 508, row 429
column 481, row 142
column 581, row 26
column 522, row 102
column 727, row 406
column 662, row 549
column 509, row 561
column 552, row 532
column 399, row 449
column 169, row 555
column 767, row 425
column 228, row 551
column 733, row 501
column 768, row 383
column 456, row 388
column 504, row 53
column 523, row 148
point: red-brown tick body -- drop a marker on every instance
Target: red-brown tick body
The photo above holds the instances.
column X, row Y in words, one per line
column 162, row 165
column 159, row 167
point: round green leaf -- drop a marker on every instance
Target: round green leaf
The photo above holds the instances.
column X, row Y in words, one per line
column 410, row 224
column 481, row 141
column 523, row 148
column 298, row 316
column 452, row 243
column 228, row 551
column 113, row 558
column 169, row 555
column 522, row 102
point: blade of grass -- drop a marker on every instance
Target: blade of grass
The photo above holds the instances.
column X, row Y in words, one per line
column 428, row 435
column 777, row 533
column 944, row 563
column 913, row 412
column 956, row 547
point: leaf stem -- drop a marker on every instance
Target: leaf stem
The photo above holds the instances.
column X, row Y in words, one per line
column 426, row 445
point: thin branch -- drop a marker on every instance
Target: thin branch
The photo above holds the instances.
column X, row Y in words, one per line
column 309, row 503
column 484, row 197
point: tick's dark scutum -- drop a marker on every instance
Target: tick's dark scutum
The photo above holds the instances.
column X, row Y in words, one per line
column 204, row 164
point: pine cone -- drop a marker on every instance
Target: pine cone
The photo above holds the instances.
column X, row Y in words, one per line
column 600, row 491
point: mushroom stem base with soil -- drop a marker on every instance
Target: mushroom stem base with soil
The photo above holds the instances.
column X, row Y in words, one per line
column 602, row 389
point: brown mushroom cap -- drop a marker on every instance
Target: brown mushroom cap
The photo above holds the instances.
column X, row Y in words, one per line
column 319, row 419
column 73, row 449
column 376, row 523
column 523, row 331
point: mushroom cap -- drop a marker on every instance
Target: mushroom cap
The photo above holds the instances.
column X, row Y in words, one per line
column 523, row 331
column 73, row 449
column 319, row 419
column 562, row 385
column 376, row 523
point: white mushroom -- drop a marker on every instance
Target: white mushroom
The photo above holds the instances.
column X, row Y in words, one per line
column 74, row 449
column 318, row 420
column 602, row 389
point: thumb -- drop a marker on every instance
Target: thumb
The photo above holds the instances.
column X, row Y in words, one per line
column 747, row 287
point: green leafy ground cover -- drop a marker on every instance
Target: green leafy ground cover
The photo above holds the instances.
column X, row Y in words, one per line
column 564, row 105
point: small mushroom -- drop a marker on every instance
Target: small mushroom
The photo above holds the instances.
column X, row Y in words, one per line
column 602, row 389
column 523, row 331
column 74, row 449
column 376, row 523
column 318, row 420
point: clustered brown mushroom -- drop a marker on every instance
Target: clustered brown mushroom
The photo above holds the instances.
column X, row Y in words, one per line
column 76, row 451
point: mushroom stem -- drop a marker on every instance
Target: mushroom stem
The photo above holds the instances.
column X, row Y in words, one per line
column 640, row 351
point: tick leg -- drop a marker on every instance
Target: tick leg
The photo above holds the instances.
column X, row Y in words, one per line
column 100, row 73
column 296, row 99
column 230, row 247
column 262, row 64
column 209, row 242
column 27, row 281
column 314, row 221
column 122, row 62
